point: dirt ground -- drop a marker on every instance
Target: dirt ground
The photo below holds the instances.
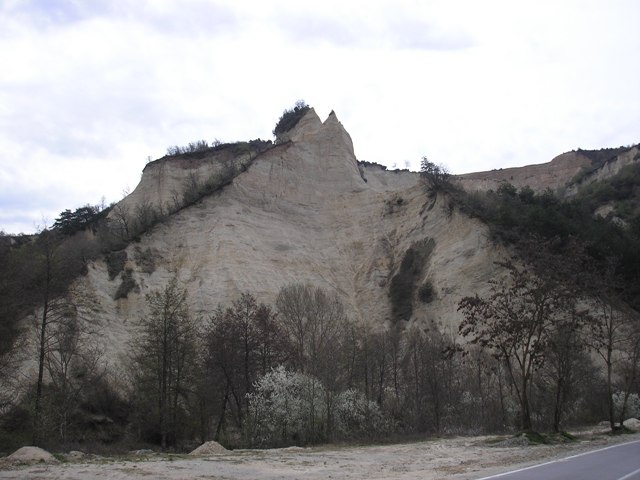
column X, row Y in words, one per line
column 444, row 458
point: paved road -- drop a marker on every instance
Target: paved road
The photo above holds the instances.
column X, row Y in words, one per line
column 618, row 462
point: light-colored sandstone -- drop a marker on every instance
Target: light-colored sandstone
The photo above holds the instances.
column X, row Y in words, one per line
column 302, row 212
column 31, row 455
column 305, row 211
column 209, row 448
column 554, row 174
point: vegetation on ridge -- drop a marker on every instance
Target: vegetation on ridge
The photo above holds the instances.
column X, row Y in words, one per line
column 513, row 216
column 290, row 118
column 598, row 159
column 200, row 147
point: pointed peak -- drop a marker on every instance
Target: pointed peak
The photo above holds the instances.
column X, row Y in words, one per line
column 334, row 127
column 309, row 124
column 313, row 116
column 332, row 119
column 310, row 127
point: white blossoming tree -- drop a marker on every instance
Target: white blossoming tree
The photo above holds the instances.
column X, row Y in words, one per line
column 286, row 408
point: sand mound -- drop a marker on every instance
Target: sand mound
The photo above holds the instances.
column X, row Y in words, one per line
column 209, row 448
column 32, row 455
column 632, row 424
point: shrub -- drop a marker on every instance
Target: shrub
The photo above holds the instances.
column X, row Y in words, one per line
column 195, row 189
column 290, row 118
column 15, row 427
column 145, row 259
column 192, row 147
column 426, row 293
column 632, row 409
column 358, row 417
column 127, row 285
column 394, row 204
column 115, row 263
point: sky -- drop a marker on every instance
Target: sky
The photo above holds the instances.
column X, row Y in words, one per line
column 90, row 90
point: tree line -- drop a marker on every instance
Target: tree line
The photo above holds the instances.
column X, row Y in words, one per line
column 552, row 343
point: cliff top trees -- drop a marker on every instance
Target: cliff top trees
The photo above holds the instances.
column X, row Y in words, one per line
column 70, row 222
column 435, row 177
column 290, row 117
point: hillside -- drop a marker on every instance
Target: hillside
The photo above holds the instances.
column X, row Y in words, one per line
column 306, row 211
column 237, row 276
column 303, row 211
column 565, row 175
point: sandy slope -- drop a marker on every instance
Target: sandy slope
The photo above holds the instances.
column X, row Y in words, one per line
column 456, row 458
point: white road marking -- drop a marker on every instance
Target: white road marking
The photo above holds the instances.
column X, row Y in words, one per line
column 564, row 460
column 629, row 475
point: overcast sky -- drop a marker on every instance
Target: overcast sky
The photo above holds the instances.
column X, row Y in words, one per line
column 89, row 89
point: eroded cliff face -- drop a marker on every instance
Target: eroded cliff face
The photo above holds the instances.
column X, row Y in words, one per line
column 303, row 211
column 554, row 174
column 559, row 174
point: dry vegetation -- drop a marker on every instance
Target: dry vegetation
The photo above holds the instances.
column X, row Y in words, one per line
column 454, row 458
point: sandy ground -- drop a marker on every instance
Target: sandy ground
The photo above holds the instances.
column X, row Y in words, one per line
column 454, row 458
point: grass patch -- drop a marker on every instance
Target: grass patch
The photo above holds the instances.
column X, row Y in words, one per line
column 60, row 457
column 495, row 440
column 620, row 430
column 535, row 438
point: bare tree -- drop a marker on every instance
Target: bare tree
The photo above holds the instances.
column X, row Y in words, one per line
column 51, row 269
column 565, row 358
column 122, row 218
column 429, row 376
column 316, row 324
column 73, row 363
column 513, row 323
column 629, row 361
column 314, row 321
column 243, row 342
column 10, row 311
column 163, row 353
column 608, row 326
column 145, row 215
